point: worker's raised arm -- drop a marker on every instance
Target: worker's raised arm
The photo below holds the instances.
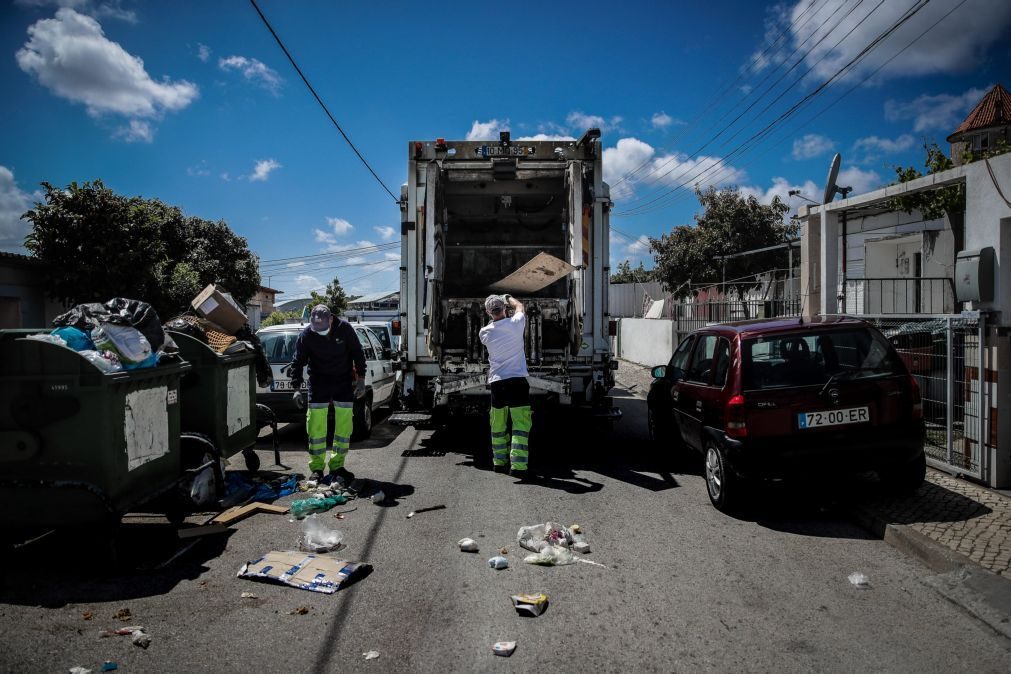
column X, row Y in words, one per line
column 515, row 304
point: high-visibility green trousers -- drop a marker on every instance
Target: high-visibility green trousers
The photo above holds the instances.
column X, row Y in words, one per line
column 516, row 454
column 315, row 427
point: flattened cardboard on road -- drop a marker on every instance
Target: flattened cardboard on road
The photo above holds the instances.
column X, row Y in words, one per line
column 538, row 273
column 237, row 513
column 302, row 570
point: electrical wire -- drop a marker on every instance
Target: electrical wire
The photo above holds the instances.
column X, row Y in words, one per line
column 641, row 210
column 347, row 252
column 320, row 101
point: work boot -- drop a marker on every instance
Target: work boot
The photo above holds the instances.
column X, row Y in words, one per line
column 316, row 475
column 342, row 473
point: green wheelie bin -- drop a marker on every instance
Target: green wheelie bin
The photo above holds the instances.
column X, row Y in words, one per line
column 217, row 398
column 79, row 445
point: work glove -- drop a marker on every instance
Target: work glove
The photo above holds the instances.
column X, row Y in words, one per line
column 299, row 399
column 359, row 387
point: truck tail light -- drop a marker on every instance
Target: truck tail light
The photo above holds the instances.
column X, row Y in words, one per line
column 417, row 149
column 914, row 395
column 395, row 328
column 612, row 328
column 735, row 422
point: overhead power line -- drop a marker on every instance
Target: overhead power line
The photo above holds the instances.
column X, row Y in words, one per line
column 331, row 254
column 320, row 101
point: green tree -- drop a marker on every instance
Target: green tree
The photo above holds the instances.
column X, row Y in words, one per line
column 333, row 297
column 935, row 203
column 626, row 274
column 729, row 223
column 279, row 318
column 101, row 245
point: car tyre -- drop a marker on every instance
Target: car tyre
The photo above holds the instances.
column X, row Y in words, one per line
column 722, row 484
column 905, row 479
column 362, row 428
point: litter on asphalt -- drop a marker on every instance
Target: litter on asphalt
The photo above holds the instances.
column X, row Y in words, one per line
column 425, row 510
column 371, row 655
column 304, row 571
column 378, row 497
column 249, row 595
column 859, row 580
column 532, row 604
column 109, row 666
column 318, row 537
column 498, row 562
column 504, row 648
column 467, row 545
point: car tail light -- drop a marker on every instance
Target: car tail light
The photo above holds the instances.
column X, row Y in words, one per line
column 612, row 328
column 914, row 394
column 395, row 328
column 735, row 422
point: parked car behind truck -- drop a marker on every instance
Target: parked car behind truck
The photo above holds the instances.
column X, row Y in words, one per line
column 789, row 398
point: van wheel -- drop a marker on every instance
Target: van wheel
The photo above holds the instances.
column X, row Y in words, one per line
column 905, row 479
column 722, row 485
column 362, row 428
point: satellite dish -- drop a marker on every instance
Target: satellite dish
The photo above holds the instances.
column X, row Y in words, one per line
column 833, row 175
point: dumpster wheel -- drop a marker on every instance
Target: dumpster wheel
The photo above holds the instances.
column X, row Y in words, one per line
column 202, row 484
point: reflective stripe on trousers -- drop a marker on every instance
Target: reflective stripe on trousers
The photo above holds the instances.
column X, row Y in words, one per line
column 522, row 421
column 315, row 427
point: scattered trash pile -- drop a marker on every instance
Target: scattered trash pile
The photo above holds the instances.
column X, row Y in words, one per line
column 121, row 334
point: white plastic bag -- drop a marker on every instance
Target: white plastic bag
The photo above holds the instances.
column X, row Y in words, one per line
column 104, row 361
column 129, row 343
column 535, row 538
column 318, row 537
column 551, row 555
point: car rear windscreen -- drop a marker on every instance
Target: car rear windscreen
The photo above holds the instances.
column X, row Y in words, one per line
column 811, row 358
column 279, row 346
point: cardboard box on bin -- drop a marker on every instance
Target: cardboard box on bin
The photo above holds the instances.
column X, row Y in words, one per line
column 219, row 307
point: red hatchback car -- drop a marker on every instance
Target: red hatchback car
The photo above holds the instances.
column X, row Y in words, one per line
column 788, row 397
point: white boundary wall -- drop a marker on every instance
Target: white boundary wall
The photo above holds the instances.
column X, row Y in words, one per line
column 646, row 341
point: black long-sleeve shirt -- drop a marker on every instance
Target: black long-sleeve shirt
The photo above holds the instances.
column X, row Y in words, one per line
column 329, row 356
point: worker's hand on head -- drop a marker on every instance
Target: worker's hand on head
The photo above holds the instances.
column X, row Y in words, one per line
column 359, row 387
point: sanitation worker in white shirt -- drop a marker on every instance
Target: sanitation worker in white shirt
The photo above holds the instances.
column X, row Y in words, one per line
column 510, row 392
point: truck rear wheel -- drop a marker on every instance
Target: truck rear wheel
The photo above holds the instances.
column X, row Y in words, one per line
column 362, row 428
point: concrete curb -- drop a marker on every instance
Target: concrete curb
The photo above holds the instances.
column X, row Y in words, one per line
column 962, row 581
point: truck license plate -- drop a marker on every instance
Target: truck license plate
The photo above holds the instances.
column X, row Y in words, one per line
column 508, row 151
column 284, row 385
column 853, row 415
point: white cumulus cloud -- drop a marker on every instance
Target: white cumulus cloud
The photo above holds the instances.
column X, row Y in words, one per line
column 254, row 70
column 387, row 233
column 137, row 131
column 112, row 9
column 781, row 187
column 580, row 121
column 547, row 136
column 308, row 283
column 487, row 130
column 395, row 257
column 661, row 120
column 203, row 52
column 70, row 55
column 939, row 112
column 870, row 148
column 955, row 46
column 638, row 247
column 13, row 204
column 340, row 226
column 263, row 169
column 812, row 145
column 861, row 181
column 675, row 170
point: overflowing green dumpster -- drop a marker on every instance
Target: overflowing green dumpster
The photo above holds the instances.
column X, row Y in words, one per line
column 78, row 445
column 218, row 397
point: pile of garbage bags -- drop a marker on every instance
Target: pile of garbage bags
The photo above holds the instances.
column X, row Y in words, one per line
column 214, row 336
column 552, row 543
column 122, row 334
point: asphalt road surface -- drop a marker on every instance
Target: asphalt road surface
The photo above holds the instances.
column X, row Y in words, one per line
column 685, row 587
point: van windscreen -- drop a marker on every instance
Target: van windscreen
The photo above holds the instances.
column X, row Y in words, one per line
column 812, row 358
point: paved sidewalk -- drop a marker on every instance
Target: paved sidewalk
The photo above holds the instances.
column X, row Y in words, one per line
column 960, row 516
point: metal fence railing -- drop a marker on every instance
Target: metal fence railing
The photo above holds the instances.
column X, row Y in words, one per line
column 913, row 295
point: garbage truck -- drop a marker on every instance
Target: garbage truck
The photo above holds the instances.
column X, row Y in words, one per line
column 472, row 214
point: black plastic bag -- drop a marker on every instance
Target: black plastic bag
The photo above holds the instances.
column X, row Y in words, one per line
column 264, row 375
column 186, row 325
column 118, row 311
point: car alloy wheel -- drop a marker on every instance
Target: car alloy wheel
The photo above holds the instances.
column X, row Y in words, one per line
column 714, row 473
column 724, row 486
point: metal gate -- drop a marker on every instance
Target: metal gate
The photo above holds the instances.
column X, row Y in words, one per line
column 944, row 356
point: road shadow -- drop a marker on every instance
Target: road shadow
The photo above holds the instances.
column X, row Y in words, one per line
column 84, row 565
column 565, row 445
column 930, row 503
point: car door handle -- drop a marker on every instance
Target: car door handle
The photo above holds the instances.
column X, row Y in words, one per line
column 698, row 405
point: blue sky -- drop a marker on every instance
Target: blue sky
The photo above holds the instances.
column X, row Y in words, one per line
column 193, row 103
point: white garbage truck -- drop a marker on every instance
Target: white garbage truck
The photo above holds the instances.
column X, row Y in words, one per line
column 472, row 214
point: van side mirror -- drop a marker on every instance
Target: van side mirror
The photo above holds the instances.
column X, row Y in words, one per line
column 659, row 371
column 387, row 354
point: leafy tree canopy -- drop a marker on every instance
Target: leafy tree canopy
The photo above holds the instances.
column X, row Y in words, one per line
column 101, row 245
column 333, row 297
column 280, row 317
column 729, row 223
column 626, row 274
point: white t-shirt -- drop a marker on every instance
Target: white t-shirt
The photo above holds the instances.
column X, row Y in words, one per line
column 504, row 339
